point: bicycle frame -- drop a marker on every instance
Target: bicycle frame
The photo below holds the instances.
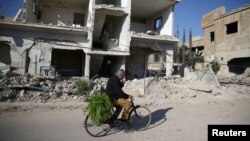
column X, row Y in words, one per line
column 134, row 107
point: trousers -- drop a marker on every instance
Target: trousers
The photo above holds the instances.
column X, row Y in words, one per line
column 120, row 104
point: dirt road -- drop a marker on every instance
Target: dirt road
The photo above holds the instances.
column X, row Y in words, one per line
column 175, row 122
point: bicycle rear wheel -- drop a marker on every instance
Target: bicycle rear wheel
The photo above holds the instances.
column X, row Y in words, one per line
column 140, row 118
column 96, row 130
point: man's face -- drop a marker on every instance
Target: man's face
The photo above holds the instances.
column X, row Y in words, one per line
column 121, row 77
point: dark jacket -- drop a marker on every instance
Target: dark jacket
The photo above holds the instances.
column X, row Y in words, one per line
column 114, row 88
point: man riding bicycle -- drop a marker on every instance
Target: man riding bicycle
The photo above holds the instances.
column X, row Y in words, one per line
column 139, row 116
column 121, row 99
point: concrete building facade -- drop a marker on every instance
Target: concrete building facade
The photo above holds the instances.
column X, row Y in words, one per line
column 227, row 39
column 198, row 46
column 87, row 37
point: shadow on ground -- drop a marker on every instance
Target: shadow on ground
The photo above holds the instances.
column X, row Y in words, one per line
column 158, row 117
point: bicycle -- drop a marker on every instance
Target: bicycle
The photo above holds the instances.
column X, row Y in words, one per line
column 139, row 116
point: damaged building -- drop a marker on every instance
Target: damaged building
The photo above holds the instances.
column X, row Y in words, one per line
column 198, row 46
column 89, row 37
column 227, row 39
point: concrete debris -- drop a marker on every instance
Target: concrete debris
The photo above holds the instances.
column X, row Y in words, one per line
column 207, row 75
column 149, row 91
column 152, row 34
column 3, row 80
column 105, row 5
column 199, row 86
column 75, row 97
column 108, row 6
column 172, row 88
column 7, row 95
column 98, row 84
column 45, row 97
column 21, row 94
column 238, row 79
column 216, row 93
column 40, row 89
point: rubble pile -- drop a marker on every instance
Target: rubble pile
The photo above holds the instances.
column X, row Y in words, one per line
column 151, row 34
column 26, row 88
column 39, row 89
column 108, row 6
column 237, row 79
column 159, row 88
column 99, row 84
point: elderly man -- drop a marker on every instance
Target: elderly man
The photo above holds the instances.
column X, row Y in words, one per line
column 121, row 100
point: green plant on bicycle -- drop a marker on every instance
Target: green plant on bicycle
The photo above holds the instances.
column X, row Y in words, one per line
column 98, row 122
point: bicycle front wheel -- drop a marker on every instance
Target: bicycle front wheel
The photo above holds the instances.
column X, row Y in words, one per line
column 96, row 130
column 140, row 118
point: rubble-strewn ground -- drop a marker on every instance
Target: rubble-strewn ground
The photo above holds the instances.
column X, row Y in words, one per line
column 26, row 92
column 180, row 91
column 181, row 109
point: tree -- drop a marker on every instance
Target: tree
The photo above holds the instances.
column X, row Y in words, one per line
column 175, row 57
column 177, row 32
column 183, row 46
column 215, row 66
column 190, row 43
column 190, row 57
column 177, row 50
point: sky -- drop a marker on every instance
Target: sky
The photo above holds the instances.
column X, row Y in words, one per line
column 9, row 8
column 188, row 13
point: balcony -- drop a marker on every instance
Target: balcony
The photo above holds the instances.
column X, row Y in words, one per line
column 44, row 28
column 114, row 3
column 61, row 16
column 152, row 24
column 111, row 7
column 152, row 37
